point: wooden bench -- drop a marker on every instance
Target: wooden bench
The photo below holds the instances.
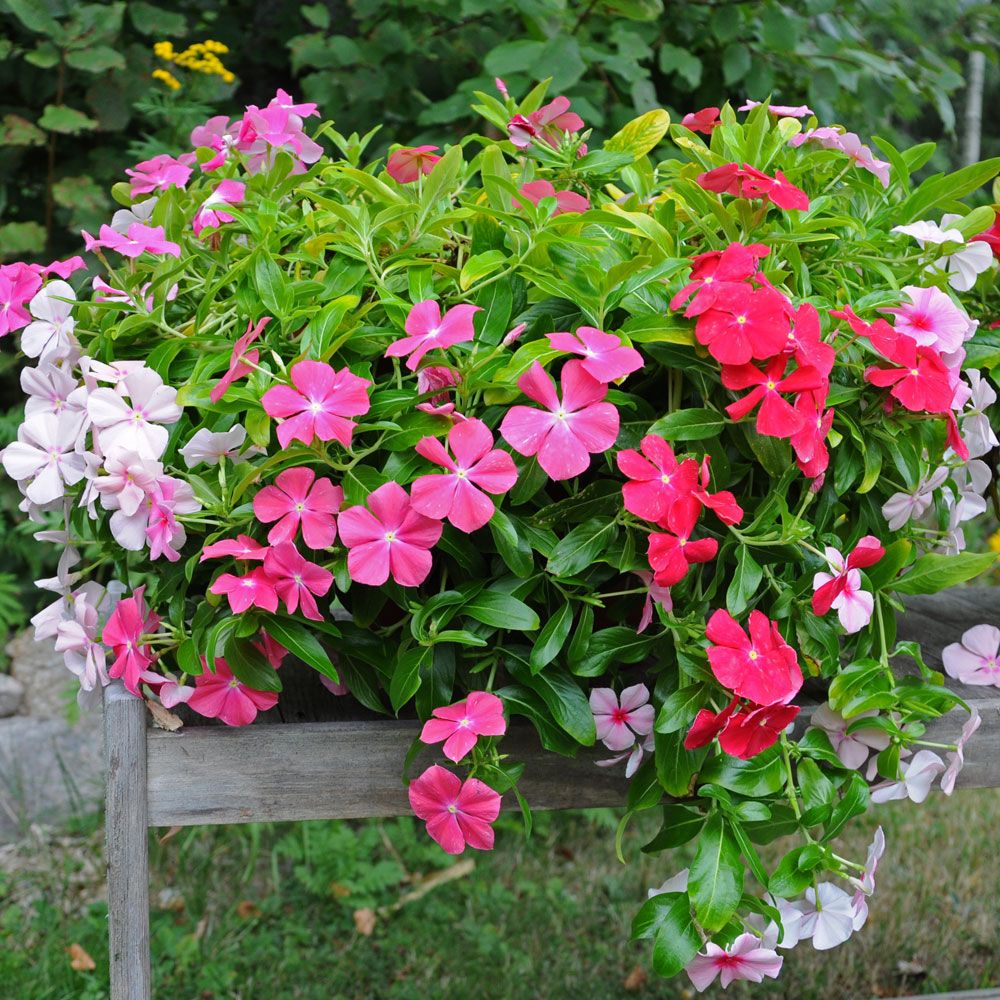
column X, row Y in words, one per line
column 316, row 756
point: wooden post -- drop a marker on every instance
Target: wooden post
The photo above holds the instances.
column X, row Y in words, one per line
column 127, row 845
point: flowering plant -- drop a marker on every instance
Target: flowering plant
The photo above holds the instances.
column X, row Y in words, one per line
column 522, row 428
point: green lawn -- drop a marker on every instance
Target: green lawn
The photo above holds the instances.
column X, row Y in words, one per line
column 269, row 913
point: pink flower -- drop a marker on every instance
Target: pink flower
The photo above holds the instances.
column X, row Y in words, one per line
column 164, row 534
column 655, row 594
column 852, row 748
column 743, row 959
column 704, row 121
column 299, row 498
column 932, row 319
column 296, row 580
column 256, row 589
column 284, row 100
column 574, row 428
column 956, row 759
column 458, row 726
column 606, row 358
column 657, row 481
column 841, row 589
column 849, row 144
column 917, row 776
column 138, row 240
column 672, row 553
column 18, row 286
column 549, row 123
column 566, row 201
column 405, row 165
column 241, row 547
column 221, row 696
column 123, row 632
column 781, row 110
column 241, row 361
column 454, row 495
column 391, row 538
column 457, row 813
column 920, row 379
column 428, row 329
column 620, row 720
column 320, row 405
column 976, row 659
column 160, row 173
column 210, row 215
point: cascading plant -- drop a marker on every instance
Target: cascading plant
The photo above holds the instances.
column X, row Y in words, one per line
column 626, row 446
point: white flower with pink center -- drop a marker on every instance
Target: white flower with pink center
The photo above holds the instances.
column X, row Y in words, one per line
column 50, row 336
column 976, row 659
column 43, row 459
column 135, row 424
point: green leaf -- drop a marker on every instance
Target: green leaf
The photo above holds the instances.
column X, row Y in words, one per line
column 250, row 666
column 581, row 547
column 735, row 63
column 618, row 644
column 761, row 775
column 441, row 179
column 406, row 675
column 272, row 286
column 562, row 696
column 666, row 920
column 95, row 59
column 715, row 882
column 689, row 425
column 746, row 579
column 514, row 550
column 675, row 59
column 301, row 643
column 853, row 802
column 65, row 120
column 491, row 607
column 934, row 572
column 679, row 710
column 676, row 766
column 551, row 638
column 680, row 825
column 156, row 21
column 642, row 134
column 794, row 874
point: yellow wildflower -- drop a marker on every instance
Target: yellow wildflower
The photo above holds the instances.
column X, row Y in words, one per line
column 167, row 78
column 994, row 541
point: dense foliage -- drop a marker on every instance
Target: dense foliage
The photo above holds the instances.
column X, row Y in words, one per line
column 627, row 446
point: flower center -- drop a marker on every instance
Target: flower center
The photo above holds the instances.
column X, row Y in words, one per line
column 665, row 479
column 771, row 386
column 299, row 507
column 461, row 473
column 234, row 683
column 315, row 407
column 560, row 414
column 464, row 723
column 913, row 371
column 753, row 654
column 619, row 716
column 452, row 808
column 741, row 320
column 390, row 536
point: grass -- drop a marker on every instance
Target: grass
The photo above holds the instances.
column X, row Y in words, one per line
column 276, row 912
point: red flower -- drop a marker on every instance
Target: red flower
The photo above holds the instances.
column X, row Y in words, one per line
column 749, row 182
column 776, row 417
column 672, row 555
column 727, row 179
column 809, row 441
column 744, row 323
column 920, row 381
column 866, row 553
column 761, row 667
column 991, row 236
column 805, row 343
column 242, row 361
column 880, row 334
column 742, row 734
column 657, row 479
column 714, row 271
column 703, row 121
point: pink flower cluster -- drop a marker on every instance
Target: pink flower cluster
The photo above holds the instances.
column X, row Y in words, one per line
column 848, row 143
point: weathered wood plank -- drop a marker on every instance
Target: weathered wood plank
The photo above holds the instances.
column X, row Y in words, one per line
column 127, row 844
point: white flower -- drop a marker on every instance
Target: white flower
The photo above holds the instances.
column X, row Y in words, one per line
column 135, row 425
column 211, row 447
column 972, row 479
column 977, row 431
column 918, row 775
column 830, row 921
column 962, row 266
column 51, row 389
column 903, row 507
column 141, row 211
column 676, row 883
column 50, row 337
column 43, row 458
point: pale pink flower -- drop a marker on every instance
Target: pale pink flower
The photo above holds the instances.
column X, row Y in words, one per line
column 52, row 389
column 932, row 319
column 83, row 654
column 458, row 495
column 405, row 165
column 676, row 883
column 296, row 579
column 114, row 373
column 211, row 447
column 222, row 696
column 918, row 775
column 828, row 919
column 903, row 507
column 514, row 335
column 46, row 622
column 457, row 813
column 50, row 337
column 304, row 109
column 780, row 110
column 458, row 726
column 241, row 547
column 743, row 959
column 976, row 659
column 977, row 431
column 655, row 594
column 299, row 498
column 427, row 329
column 210, row 215
column 575, row 427
column 135, row 424
column 167, row 688
column 255, row 589
column 44, row 459
column 129, row 479
column 129, row 623
column 971, row 481
column 138, row 239
column 391, row 538
column 852, row 748
column 619, row 720
column 320, row 405
column 605, row 357
column 566, row 201
column 866, row 885
column 956, row 758
column 633, row 755
column 790, row 931
column 160, row 173
column 850, row 145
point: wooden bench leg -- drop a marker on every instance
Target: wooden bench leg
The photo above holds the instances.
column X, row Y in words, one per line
column 127, row 845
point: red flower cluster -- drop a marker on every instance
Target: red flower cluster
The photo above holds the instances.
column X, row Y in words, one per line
column 704, row 121
column 672, row 494
column 763, row 673
column 749, row 182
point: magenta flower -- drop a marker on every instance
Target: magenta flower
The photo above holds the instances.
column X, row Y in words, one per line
column 405, row 165
column 123, row 632
column 932, row 319
column 454, row 495
column 549, row 123
column 566, row 201
column 605, row 357
column 210, row 215
column 138, row 240
column 241, row 547
column 620, row 720
column 743, row 959
column 458, row 726
column 304, row 109
column 390, row 538
column 163, row 532
column 241, row 361
column 319, row 406
column 428, row 329
column 256, row 589
column 657, row 481
column 18, row 286
column 575, row 427
column 299, row 498
column 457, row 813
column 296, row 580
column 222, row 696
column 160, row 173
column 976, row 659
